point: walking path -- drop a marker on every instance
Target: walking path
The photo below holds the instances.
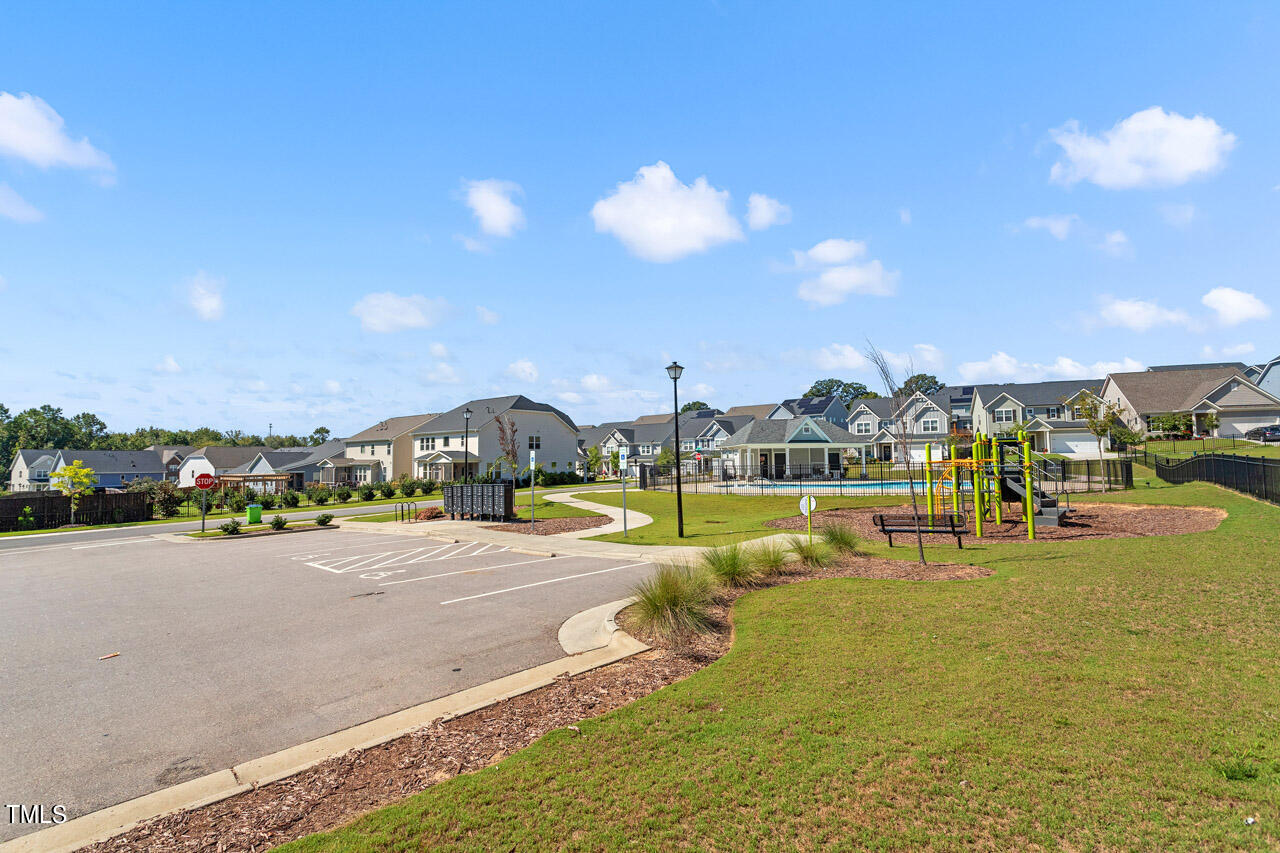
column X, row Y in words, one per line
column 634, row 519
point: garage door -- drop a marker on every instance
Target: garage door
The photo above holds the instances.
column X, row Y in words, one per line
column 1073, row 442
column 1237, row 425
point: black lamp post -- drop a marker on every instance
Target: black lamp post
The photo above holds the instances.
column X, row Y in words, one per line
column 466, row 445
column 674, row 370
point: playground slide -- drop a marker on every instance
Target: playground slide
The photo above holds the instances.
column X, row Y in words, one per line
column 1048, row 513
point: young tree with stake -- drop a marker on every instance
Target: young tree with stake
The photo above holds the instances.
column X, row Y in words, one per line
column 75, row 481
column 901, row 427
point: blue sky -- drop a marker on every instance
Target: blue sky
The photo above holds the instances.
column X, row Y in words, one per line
column 315, row 214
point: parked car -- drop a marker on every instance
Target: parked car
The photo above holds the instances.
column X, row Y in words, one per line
column 1264, row 433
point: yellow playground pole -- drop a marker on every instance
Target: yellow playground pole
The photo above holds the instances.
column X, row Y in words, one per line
column 928, row 479
column 997, row 459
column 1026, row 485
column 955, row 485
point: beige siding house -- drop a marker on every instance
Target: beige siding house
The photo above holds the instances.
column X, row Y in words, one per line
column 441, row 454
column 380, row 453
column 1239, row 404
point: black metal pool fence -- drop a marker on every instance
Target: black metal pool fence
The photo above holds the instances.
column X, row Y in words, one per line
column 1252, row 475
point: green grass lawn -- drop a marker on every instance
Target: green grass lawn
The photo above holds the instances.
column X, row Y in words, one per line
column 1113, row 694
column 715, row 519
column 1269, row 451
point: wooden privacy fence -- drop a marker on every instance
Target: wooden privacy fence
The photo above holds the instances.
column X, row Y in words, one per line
column 52, row 509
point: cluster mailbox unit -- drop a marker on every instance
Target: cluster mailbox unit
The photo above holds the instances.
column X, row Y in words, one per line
column 483, row 501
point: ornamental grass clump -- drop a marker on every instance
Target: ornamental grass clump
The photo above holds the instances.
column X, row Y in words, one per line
column 675, row 602
column 843, row 540
column 730, row 565
column 812, row 555
column 769, row 558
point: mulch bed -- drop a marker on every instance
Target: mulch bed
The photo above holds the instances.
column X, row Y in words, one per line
column 552, row 526
column 1086, row 521
column 339, row 790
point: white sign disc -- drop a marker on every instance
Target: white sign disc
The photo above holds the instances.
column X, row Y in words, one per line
column 808, row 504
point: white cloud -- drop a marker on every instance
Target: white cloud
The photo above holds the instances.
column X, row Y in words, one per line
column 1231, row 351
column 570, row 396
column 17, row 208
column 1002, row 367
column 332, row 386
column 904, row 216
column 491, row 202
column 390, row 312
column 471, row 244
column 660, row 219
column 204, row 292
column 486, row 316
column 1058, row 225
column 1150, row 148
column 1178, row 215
column 835, row 284
column 833, row 251
column 1138, row 315
column 1235, row 306
column 1116, row 243
column 763, row 212
column 596, row 382
column 438, row 350
column 702, row 389
column 524, row 370
column 839, row 357
column 921, row 357
column 31, row 130
column 168, row 364
column 443, row 373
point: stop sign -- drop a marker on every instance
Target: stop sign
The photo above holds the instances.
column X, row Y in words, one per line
column 204, row 481
column 697, row 456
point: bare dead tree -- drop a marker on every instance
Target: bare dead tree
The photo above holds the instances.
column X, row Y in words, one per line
column 507, row 443
column 901, row 431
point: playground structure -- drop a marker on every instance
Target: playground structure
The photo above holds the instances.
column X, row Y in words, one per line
column 998, row 475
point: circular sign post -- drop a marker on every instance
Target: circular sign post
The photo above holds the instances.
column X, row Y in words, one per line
column 808, row 504
column 204, row 482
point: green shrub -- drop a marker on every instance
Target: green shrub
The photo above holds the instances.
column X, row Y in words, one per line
column 387, row 490
column 323, row 519
column 429, row 486
column 278, row 523
column 769, row 558
column 320, row 497
column 366, row 493
column 290, row 499
column 730, row 565
column 237, row 501
column 343, row 494
column 811, row 556
column 843, row 540
column 250, row 495
column 26, row 519
column 268, row 501
column 675, row 602
column 408, row 488
column 230, row 528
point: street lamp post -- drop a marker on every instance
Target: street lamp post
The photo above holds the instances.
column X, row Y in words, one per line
column 674, row 370
column 466, row 444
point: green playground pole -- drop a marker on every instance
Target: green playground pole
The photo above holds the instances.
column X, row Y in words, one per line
column 978, row 494
column 998, row 486
column 928, row 479
column 1026, row 485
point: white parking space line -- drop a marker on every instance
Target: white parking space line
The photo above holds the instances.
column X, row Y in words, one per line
column 362, row 542
column 540, row 583
column 136, row 541
column 475, row 569
column 17, row 552
column 410, row 556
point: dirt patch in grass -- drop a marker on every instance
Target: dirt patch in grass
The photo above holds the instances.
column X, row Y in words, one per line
column 1086, row 521
column 337, row 791
column 552, row 526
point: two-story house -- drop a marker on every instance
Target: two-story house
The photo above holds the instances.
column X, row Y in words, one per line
column 463, row 442
column 1045, row 411
column 172, row 455
column 383, row 452
column 875, row 424
column 30, row 470
column 829, row 408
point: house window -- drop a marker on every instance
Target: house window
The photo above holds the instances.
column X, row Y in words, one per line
column 535, row 442
column 444, row 442
column 806, row 429
column 1004, row 416
column 428, row 443
column 1053, row 413
column 862, row 428
column 929, row 425
column 886, row 424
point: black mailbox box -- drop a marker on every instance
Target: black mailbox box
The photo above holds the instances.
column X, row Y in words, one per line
column 480, row 501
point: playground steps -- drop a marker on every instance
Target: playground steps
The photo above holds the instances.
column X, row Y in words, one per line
column 1048, row 512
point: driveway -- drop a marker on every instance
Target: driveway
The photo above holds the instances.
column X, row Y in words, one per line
column 233, row 649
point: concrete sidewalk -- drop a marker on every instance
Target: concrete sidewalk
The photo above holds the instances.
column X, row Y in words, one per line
column 634, row 519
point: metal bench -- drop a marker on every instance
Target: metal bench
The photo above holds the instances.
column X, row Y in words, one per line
column 952, row 524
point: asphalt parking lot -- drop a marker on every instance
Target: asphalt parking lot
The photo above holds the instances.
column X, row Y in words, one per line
column 229, row 650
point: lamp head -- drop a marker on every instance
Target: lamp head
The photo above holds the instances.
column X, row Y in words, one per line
column 674, row 370
column 466, row 415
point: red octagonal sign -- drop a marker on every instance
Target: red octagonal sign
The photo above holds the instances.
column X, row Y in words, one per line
column 204, row 481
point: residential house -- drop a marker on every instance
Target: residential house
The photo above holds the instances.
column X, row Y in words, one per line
column 1240, row 405
column 1266, row 376
column 452, row 446
column 113, row 469
column 594, row 436
column 382, row 452
column 1045, row 411
column 646, row 437
column 761, row 410
column 215, row 460
column 961, row 401
column 829, row 408
column 276, row 471
column 30, row 470
column 874, row 423
column 776, row 448
column 172, row 455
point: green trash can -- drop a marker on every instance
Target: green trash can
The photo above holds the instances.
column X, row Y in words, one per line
column 255, row 514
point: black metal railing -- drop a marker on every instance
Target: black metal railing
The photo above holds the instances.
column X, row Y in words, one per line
column 1253, row 475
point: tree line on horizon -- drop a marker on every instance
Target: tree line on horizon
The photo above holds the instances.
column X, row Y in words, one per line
column 47, row 428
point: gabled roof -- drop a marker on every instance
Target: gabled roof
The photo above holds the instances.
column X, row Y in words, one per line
column 226, row 458
column 1158, row 391
column 391, row 428
column 1050, row 393
column 1211, row 365
column 592, row 436
column 653, row 419
column 779, row 430
column 815, row 406
column 759, row 411
column 115, row 461
column 485, row 410
column 333, row 448
column 30, row 457
column 275, row 459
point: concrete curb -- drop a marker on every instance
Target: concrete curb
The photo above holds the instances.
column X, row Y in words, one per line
column 588, row 627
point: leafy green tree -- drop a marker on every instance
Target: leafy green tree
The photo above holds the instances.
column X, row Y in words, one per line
column 923, row 383
column 75, row 481
column 1099, row 417
column 319, row 436
column 594, row 460
column 846, row 392
column 615, row 461
column 1210, row 422
column 666, row 456
column 693, row 406
column 88, row 432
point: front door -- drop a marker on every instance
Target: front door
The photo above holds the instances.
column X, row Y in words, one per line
column 780, row 464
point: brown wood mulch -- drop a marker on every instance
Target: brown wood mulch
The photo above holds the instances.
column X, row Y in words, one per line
column 337, row 791
column 552, row 526
column 1086, row 521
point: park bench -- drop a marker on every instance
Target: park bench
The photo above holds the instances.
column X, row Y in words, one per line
column 952, row 524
